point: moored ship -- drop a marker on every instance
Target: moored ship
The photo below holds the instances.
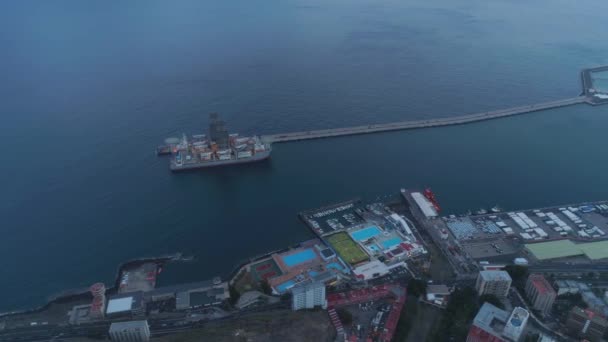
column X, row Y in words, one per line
column 428, row 193
column 217, row 149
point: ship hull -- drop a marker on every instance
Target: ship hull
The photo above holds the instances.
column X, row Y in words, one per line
column 216, row 163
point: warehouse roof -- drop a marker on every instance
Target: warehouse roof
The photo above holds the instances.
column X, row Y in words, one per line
column 554, row 249
column 595, row 250
column 119, row 305
column 567, row 248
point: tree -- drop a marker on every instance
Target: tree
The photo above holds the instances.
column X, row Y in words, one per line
column 286, row 297
column 345, row 316
column 564, row 303
column 531, row 337
column 518, row 273
column 459, row 313
column 234, row 295
column 265, row 287
column 416, row 287
column 492, row 299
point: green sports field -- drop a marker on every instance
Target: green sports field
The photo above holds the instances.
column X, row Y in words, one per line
column 348, row 250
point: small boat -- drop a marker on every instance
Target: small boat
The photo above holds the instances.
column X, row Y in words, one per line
column 496, row 209
column 163, row 150
column 481, row 211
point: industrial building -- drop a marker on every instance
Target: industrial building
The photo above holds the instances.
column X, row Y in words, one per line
column 540, row 293
column 586, row 324
column 566, row 286
column 126, row 305
column 191, row 295
column 493, row 282
column 560, row 249
column 425, row 205
column 308, row 296
column 437, row 294
column 492, row 324
column 130, row 331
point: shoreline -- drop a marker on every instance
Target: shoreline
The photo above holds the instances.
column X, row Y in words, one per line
column 84, row 293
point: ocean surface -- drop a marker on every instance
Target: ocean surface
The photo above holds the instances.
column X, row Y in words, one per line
column 89, row 88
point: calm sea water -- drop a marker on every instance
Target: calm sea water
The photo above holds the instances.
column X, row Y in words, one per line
column 89, row 88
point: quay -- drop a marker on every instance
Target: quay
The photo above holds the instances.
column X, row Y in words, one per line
column 553, row 237
column 415, row 124
column 596, row 92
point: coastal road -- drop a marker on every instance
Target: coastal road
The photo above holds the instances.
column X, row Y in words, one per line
column 158, row 327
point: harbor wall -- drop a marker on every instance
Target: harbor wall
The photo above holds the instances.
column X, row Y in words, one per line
column 416, row 124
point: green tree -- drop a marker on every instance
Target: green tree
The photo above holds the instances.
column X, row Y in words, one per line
column 565, row 303
column 416, row 287
column 345, row 316
column 404, row 325
column 519, row 274
column 459, row 313
column 234, row 295
column 265, row 287
column 492, row 299
column 531, row 337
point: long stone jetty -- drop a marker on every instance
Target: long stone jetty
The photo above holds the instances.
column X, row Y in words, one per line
column 414, row 124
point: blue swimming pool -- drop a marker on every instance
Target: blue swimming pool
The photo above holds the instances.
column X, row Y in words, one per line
column 391, row 242
column 336, row 266
column 373, row 248
column 365, row 233
column 299, row 257
column 285, row 286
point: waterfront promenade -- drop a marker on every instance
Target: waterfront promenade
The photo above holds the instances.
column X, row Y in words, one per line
column 414, row 124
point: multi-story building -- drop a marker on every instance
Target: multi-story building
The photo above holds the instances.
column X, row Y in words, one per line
column 492, row 324
column 586, row 324
column 493, row 282
column 130, row 331
column 540, row 293
column 516, row 324
column 308, row 296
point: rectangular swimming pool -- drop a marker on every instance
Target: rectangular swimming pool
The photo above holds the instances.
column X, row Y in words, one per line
column 285, row 286
column 391, row 242
column 336, row 266
column 373, row 248
column 366, row 233
column 299, row 257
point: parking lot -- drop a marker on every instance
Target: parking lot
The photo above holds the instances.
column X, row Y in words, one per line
column 369, row 319
column 333, row 218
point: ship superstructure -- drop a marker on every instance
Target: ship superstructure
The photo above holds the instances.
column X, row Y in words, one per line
column 215, row 149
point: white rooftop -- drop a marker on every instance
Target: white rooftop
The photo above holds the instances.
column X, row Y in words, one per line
column 371, row 268
column 495, row 275
column 119, row 305
column 424, row 204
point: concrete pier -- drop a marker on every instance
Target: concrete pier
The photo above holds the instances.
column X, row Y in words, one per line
column 413, row 124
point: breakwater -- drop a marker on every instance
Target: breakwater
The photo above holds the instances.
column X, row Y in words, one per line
column 415, row 124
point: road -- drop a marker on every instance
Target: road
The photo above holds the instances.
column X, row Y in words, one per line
column 158, row 327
